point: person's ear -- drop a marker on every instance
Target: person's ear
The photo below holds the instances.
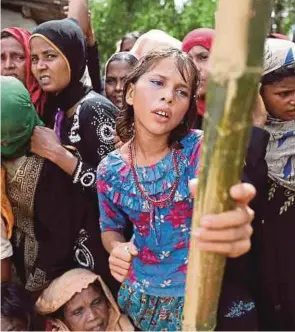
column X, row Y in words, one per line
column 130, row 94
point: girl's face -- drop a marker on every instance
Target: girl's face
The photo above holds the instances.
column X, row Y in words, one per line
column 13, row 59
column 87, row 311
column 160, row 98
column 48, row 66
column 114, row 82
column 200, row 56
column 279, row 98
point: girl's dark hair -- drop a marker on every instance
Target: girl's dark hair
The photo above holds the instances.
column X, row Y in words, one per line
column 123, row 56
column 5, row 34
column 16, row 303
column 189, row 73
column 278, row 75
column 130, row 35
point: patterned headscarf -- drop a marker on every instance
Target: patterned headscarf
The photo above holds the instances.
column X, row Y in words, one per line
column 280, row 156
column 38, row 97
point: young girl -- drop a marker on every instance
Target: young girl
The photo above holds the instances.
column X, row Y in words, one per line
column 273, row 241
column 146, row 181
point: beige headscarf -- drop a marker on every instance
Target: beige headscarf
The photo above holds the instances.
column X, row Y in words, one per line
column 154, row 40
column 62, row 289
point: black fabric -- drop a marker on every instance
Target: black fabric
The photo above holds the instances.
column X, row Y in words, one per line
column 68, row 37
column 61, row 213
column 240, row 278
column 273, row 254
column 95, row 124
column 93, row 63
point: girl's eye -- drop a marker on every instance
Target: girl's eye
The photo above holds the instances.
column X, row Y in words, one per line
column 96, row 302
column 157, row 82
column 19, row 58
column 110, row 81
column 34, row 59
column 182, row 93
column 285, row 94
column 77, row 312
column 51, row 56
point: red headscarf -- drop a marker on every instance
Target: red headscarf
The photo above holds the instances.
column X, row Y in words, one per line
column 199, row 37
column 38, row 96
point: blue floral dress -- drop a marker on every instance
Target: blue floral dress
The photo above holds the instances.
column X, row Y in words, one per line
column 153, row 293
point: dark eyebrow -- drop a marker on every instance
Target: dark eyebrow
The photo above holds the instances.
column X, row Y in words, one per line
column 203, row 53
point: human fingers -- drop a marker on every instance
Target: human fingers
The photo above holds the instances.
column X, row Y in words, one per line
column 118, row 277
column 233, row 218
column 193, row 184
column 242, row 193
column 224, row 235
column 233, row 249
column 114, row 261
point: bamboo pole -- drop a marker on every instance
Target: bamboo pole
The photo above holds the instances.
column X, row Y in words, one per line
column 234, row 72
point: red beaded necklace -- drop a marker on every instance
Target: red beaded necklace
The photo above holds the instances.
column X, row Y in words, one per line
column 164, row 202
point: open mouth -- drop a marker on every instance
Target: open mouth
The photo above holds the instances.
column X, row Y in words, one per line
column 44, row 79
column 162, row 114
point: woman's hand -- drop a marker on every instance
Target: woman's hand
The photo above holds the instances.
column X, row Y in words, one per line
column 44, row 142
column 259, row 114
column 228, row 232
column 120, row 260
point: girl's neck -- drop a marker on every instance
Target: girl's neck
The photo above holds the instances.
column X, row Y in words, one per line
column 150, row 149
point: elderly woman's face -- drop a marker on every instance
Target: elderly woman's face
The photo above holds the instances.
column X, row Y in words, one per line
column 87, row 311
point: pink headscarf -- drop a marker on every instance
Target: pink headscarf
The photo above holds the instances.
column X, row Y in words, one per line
column 38, row 96
column 199, row 37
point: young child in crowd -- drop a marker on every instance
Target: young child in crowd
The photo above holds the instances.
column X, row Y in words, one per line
column 273, row 241
column 146, row 181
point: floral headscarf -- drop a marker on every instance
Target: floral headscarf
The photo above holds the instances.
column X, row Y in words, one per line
column 280, row 156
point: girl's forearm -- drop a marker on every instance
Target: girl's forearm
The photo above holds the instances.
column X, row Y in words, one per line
column 111, row 240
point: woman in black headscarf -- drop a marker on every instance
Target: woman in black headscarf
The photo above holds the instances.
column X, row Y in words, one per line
column 84, row 119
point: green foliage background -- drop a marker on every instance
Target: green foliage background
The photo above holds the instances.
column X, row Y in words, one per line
column 113, row 18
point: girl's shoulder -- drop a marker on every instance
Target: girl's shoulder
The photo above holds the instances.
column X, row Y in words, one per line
column 192, row 141
column 112, row 166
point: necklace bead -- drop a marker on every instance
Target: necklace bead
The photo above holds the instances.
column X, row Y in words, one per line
column 162, row 202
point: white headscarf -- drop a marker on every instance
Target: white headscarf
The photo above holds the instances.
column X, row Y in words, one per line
column 280, row 155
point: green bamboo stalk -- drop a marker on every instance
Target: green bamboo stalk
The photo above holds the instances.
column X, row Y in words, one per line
column 235, row 68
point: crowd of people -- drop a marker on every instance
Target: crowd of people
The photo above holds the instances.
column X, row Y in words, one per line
column 98, row 177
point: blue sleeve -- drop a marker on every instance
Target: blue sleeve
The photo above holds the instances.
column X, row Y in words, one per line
column 111, row 216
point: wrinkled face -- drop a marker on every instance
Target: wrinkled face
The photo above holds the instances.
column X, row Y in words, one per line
column 13, row 59
column 87, row 311
column 160, row 98
column 48, row 66
column 200, row 56
column 13, row 324
column 279, row 98
column 114, row 82
column 127, row 44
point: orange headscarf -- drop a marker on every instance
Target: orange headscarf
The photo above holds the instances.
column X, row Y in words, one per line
column 6, row 210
